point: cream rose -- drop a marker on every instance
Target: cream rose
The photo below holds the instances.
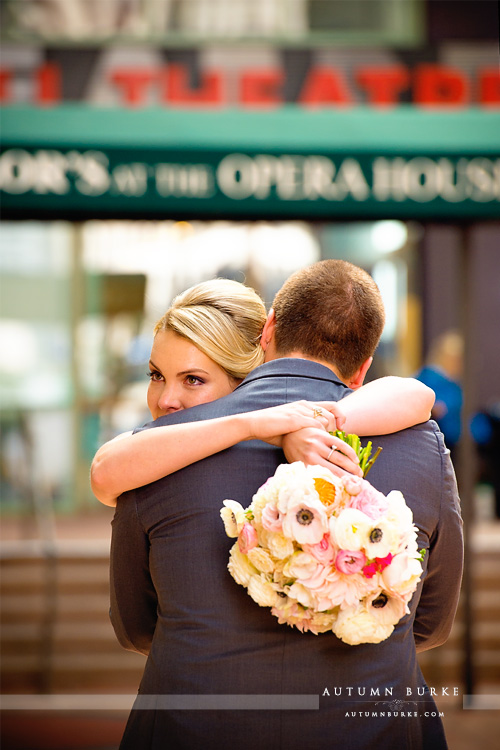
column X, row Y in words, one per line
column 261, row 559
column 356, row 625
column 240, row 567
column 322, row 622
column 301, row 594
column 260, row 501
column 280, row 547
column 262, row 591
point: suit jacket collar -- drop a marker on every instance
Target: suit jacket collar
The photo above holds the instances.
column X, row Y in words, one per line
column 292, row 366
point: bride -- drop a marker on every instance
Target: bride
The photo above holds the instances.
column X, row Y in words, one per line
column 206, row 343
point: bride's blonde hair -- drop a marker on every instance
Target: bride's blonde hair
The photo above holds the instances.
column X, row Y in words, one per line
column 224, row 319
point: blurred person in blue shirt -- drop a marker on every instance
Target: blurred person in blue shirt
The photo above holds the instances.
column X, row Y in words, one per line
column 442, row 373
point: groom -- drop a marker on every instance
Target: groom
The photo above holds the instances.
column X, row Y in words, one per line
column 221, row 672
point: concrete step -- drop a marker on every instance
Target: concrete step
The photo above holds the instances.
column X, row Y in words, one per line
column 66, row 576
column 33, row 607
column 66, row 637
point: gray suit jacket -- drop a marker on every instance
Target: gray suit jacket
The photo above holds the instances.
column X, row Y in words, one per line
column 173, row 598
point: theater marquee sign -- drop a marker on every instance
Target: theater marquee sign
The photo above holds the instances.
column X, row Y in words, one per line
column 312, row 184
column 191, row 166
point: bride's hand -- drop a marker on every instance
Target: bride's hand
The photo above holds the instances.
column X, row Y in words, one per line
column 313, row 446
column 272, row 424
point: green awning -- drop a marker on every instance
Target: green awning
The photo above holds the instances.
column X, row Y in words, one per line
column 289, row 162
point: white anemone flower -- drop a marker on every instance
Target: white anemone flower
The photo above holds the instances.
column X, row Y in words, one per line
column 233, row 516
column 305, row 521
column 350, row 530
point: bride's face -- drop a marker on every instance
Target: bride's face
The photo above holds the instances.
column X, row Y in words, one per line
column 182, row 376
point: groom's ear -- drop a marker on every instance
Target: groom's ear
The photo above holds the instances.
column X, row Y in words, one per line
column 356, row 381
column 267, row 337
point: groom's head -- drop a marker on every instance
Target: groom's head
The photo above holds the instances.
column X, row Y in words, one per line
column 330, row 312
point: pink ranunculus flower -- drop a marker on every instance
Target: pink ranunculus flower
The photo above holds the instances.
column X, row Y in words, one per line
column 352, row 485
column 247, row 538
column 369, row 500
column 271, row 519
column 350, row 562
column 323, row 551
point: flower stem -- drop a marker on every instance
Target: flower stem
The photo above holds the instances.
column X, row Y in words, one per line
column 363, row 453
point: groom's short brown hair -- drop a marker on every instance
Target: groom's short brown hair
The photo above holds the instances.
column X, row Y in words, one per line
column 331, row 311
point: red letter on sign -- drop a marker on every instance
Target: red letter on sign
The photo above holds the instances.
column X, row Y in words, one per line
column 134, row 84
column 5, row 76
column 489, row 87
column 325, row 86
column 439, row 85
column 178, row 90
column 261, row 87
column 383, row 84
column 48, row 84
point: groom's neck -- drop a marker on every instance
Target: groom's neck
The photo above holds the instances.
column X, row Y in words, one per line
column 272, row 355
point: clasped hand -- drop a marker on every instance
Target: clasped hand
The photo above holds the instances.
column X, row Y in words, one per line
column 302, row 429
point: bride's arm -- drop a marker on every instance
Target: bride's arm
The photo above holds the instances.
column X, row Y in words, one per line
column 384, row 406
column 131, row 461
column 387, row 405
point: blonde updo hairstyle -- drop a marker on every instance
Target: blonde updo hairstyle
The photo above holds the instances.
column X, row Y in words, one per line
column 222, row 318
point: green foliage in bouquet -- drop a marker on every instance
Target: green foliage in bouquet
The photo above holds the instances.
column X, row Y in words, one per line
column 363, row 453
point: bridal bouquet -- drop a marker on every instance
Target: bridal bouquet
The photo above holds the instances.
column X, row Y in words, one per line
column 326, row 553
